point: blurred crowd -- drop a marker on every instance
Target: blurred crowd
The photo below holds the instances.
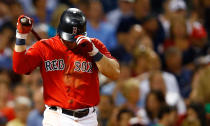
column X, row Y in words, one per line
column 163, row 47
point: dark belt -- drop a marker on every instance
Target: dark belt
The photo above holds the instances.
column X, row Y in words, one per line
column 78, row 114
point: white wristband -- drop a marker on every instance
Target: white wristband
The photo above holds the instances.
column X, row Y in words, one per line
column 21, row 36
column 94, row 51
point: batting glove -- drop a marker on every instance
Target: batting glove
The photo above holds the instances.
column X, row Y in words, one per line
column 87, row 44
column 24, row 26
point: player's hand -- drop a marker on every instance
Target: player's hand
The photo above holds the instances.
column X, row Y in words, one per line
column 24, row 24
column 86, row 43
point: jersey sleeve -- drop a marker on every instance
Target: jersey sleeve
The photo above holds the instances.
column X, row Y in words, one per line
column 102, row 48
column 26, row 61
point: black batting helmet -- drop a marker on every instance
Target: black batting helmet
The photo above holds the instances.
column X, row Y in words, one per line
column 72, row 23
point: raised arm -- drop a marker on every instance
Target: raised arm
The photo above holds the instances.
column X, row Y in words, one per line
column 24, row 62
column 22, row 33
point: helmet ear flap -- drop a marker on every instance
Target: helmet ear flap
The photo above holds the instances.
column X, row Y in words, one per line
column 72, row 23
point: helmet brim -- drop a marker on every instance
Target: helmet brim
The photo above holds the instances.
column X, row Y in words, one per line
column 67, row 37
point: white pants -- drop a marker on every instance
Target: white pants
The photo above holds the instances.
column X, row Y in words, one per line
column 57, row 118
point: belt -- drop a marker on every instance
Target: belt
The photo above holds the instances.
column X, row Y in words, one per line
column 78, row 114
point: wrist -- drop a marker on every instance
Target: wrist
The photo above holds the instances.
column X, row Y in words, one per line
column 20, row 38
column 20, row 41
column 94, row 51
column 21, row 35
column 98, row 56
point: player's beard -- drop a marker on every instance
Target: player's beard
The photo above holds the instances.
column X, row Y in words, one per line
column 70, row 45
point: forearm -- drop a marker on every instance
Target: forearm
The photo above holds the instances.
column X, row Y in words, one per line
column 109, row 67
column 20, row 48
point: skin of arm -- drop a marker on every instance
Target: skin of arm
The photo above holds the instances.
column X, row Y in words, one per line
column 20, row 48
column 109, row 67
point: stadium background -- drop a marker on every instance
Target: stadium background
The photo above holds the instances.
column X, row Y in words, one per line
column 162, row 47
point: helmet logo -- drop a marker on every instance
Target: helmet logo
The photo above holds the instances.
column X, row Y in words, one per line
column 74, row 30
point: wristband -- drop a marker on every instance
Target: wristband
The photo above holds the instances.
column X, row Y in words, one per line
column 97, row 57
column 21, row 36
column 20, row 41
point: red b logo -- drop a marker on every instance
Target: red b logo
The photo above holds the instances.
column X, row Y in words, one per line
column 74, row 30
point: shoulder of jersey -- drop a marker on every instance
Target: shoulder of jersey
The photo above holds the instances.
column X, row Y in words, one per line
column 46, row 40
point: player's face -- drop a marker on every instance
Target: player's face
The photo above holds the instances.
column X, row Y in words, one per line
column 70, row 45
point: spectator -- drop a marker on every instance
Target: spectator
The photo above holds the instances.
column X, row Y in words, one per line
column 199, row 12
column 166, row 116
column 199, row 45
column 124, row 52
column 42, row 17
column 3, row 120
column 195, row 115
column 135, row 122
column 22, row 108
column 35, row 117
column 125, row 9
column 105, row 107
column 200, row 86
column 145, row 41
column 124, row 116
column 5, row 77
column 173, row 60
column 109, row 5
column 27, row 6
column 21, row 90
column 41, row 13
column 55, row 21
column 156, row 6
column 178, row 35
column 131, row 92
column 5, row 109
column 172, row 8
column 154, row 100
column 141, row 10
column 154, row 30
column 4, row 13
column 143, row 60
column 6, row 40
column 15, row 10
column 84, row 5
column 42, row 29
column 165, row 18
column 114, row 88
column 150, row 62
column 157, row 82
column 33, row 81
column 178, row 7
column 97, row 28
column 135, row 33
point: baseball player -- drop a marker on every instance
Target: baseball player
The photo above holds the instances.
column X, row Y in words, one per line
column 69, row 64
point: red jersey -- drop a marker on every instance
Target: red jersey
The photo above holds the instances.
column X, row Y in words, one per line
column 70, row 77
